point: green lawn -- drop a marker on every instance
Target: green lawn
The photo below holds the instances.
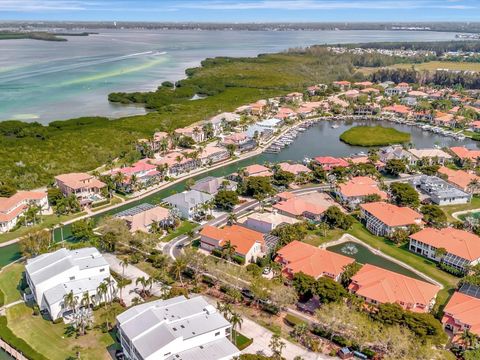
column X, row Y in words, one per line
column 10, row 278
column 50, row 339
column 316, row 237
column 183, row 228
column 450, row 209
column 47, row 222
column 113, row 201
column 374, row 136
column 241, row 341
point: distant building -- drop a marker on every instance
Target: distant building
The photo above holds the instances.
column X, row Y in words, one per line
column 355, row 190
column 379, row 286
column 194, row 131
column 439, row 191
column 175, row 329
column 14, row 207
column 431, row 155
column 189, row 203
column 462, row 247
column 383, row 219
column 301, row 257
column 53, row 275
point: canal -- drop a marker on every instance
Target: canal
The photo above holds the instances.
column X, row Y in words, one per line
column 4, row 355
column 319, row 140
column 364, row 256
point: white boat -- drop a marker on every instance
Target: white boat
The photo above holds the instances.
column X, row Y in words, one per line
column 335, row 126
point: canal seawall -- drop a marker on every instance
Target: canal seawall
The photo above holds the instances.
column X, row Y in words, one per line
column 11, row 351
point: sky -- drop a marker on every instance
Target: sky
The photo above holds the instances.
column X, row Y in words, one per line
column 241, row 10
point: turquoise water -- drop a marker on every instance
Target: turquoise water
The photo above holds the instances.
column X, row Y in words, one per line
column 46, row 81
column 4, row 356
column 320, row 139
column 365, row 256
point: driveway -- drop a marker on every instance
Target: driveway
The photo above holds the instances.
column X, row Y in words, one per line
column 261, row 339
column 133, row 273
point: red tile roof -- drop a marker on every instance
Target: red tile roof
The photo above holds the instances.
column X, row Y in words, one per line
column 298, row 207
column 458, row 242
column 399, row 109
column 7, row 204
column 386, row 286
column 392, row 215
column 294, row 168
column 301, row 257
column 329, row 162
column 240, row 237
column 464, row 153
column 258, row 170
column 361, row 186
column 458, row 177
column 465, row 309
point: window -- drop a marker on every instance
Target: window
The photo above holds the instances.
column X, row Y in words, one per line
column 72, row 278
column 102, row 269
column 217, row 333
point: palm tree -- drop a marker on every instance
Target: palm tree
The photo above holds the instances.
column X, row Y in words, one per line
column 164, row 145
column 228, row 250
column 178, row 267
column 68, row 300
column 102, row 290
column 142, row 281
column 470, row 339
column 110, row 286
column 136, row 300
column 231, row 218
column 85, row 301
column 124, row 264
column 236, row 321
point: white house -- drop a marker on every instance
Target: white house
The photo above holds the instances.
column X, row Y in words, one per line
column 177, row 328
column 53, row 275
column 189, row 203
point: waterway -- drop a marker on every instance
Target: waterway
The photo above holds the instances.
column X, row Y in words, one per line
column 320, row 139
column 46, row 80
column 364, row 256
column 5, row 356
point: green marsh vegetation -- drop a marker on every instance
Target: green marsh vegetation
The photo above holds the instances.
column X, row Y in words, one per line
column 374, row 136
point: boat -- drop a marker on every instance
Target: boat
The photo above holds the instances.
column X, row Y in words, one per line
column 306, row 160
column 335, row 126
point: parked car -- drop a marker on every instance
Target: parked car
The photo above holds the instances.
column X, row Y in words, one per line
column 248, row 293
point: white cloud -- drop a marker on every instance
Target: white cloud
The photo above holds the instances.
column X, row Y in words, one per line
column 45, row 5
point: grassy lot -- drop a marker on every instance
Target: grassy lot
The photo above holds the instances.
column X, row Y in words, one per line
column 184, row 228
column 113, row 201
column 429, row 66
column 47, row 222
column 374, row 136
column 316, row 237
column 51, row 340
column 450, row 209
column 241, row 341
column 10, row 278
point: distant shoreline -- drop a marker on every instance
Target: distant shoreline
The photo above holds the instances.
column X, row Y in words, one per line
column 39, row 35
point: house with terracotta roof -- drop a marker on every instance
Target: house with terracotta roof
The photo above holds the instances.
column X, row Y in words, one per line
column 383, row 219
column 14, row 207
column 213, row 154
column 86, row 188
column 294, row 96
column 380, row 286
column 399, row 110
column 248, row 244
column 329, row 162
column 143, row 171
column 431, row 155
column 143, row 220
column 241, row 141
column 462, row 247
column 465, row 181
column 295, row 169
column 364, row 84
column 266, row 221
column 194, row 131
column 257, row 170
column 177, row 163
column 465, row 154
column 300, row 257
column 396, row 152
column 443, row 119
column 342, row 84
column 158, row 138
column 462, row 313
column 296, row 207
column 355, row 190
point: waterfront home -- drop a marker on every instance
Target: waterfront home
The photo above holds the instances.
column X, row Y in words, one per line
column 329, row 162
column 190, row 204
column 370, row 90
column 145, row 218
column 417, row 94
column 424, row 115
column 352, row 94
column 465, row 154
column 475, row 126
column 226, row 117
column 432, row 156
column 15, row 206
column 294, row 96
column 363, row 84
column 380, row 286
column 241, row 141
column 211, row 185
column 311, row 108
column 259, row 108
column 257, row 132
column 439, row 191
column 462, row 313
column 213, row 154
column 443, row 119
column 86, row 188
column 142, row 172
column 354, row 191
column 177, row 163
column 248, row 244
column 194, row 131
column 395, row 91
column 384, row 219
column 176, row 328
column 53, row 275
column 398, row 110
column 285, row 113
column 257, row 170
column 342, row 85
column 300, row 257
column 266, row 221
column 296, row 207
column 316, row 89
column 396, row 152
column 272, row 123
column 462, row 248
column 295, row 169
column 465, row 181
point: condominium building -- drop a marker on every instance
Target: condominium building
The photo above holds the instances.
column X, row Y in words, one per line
column 175, row 329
